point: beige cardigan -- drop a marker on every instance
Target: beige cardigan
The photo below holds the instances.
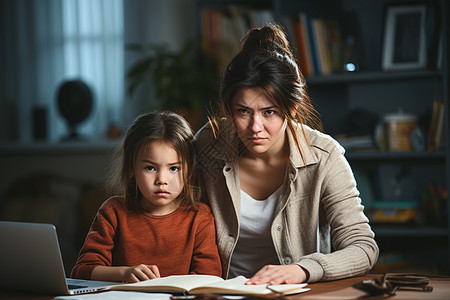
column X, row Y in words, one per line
column 319, row 222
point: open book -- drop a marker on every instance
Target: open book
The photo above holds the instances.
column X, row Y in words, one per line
column 200, row 284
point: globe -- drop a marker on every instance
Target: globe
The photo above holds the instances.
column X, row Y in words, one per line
column 75, row 104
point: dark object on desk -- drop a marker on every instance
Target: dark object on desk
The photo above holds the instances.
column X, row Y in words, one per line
column 75, row 104
column 39, row 123
column 221, row 297
column 390, row 283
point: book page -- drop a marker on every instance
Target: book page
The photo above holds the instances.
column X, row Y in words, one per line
column 237, row 286
column 170, row 283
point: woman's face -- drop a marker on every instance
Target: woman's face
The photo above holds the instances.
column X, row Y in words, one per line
column 259, row 122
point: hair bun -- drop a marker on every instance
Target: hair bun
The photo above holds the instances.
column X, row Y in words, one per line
column 270, row 38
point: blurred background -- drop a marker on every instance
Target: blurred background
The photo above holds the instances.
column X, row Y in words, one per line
column 75, row 73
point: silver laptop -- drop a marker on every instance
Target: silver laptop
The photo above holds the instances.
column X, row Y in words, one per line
column 30, row 260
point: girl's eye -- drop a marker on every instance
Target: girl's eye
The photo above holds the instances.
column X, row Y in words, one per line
column 150, row 168
column 174, row 169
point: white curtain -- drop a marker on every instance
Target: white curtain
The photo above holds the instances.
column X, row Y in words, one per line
column 46, row 42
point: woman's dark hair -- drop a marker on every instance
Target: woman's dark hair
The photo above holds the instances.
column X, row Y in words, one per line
column 154, row 126
column 266, row 61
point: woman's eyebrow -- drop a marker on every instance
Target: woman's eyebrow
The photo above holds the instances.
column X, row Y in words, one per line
column 263, row 108
column 243, row 106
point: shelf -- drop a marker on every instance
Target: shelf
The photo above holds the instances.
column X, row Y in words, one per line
column 360, row 77
column 387, row 155
column 410, row 231
column 68, row 147
column 256, row 3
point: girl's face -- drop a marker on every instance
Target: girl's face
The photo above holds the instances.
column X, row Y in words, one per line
column 159, row 177
column 259, row 122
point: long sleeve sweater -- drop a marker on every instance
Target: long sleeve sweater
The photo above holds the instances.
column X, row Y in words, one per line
column 182, row 242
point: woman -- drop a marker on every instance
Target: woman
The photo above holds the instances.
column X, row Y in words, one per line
column 284, row 198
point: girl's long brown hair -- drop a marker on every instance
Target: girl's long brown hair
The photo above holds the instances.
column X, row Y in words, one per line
column 154, row 126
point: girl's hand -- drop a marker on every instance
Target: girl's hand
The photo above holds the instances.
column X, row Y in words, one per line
column 279, row 274
column 141, row 273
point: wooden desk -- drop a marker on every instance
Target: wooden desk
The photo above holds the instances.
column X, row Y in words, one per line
column 342, row 289
column 333, row 290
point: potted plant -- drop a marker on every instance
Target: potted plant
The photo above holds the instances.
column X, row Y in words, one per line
column 183, row 81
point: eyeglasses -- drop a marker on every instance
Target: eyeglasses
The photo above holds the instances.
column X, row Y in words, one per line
column 390, row 283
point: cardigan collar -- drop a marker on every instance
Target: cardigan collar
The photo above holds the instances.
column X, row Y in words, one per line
column 295, row 156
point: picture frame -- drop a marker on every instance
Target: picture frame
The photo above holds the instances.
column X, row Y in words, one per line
column 404, row 39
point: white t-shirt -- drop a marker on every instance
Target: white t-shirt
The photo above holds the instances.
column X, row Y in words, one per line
column 254, row 248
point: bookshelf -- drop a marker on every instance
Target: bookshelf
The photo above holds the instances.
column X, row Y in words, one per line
column 360, row 99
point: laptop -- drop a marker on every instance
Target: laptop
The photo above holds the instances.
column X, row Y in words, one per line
column 31, row 261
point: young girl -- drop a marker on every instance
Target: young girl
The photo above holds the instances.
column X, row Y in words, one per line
column 155, row 228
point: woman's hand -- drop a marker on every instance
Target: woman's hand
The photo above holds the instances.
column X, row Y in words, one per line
column 279, row 274
column 141, row 273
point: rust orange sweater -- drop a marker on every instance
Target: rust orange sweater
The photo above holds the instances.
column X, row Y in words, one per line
column 182, row 242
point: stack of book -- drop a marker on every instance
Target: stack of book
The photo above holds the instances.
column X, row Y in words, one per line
column 317, row 41
column 319, row 44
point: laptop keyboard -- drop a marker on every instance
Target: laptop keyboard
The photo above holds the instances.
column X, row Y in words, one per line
column 75, row 286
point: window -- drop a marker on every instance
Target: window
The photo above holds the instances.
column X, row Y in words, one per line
column 47, row 42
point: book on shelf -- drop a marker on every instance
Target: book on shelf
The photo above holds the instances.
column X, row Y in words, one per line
column 201, row 284
column 333, row 38
column 436, row 131
column 329, row 45
column 302, row 47
column 322, row 46
column 306, row 23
